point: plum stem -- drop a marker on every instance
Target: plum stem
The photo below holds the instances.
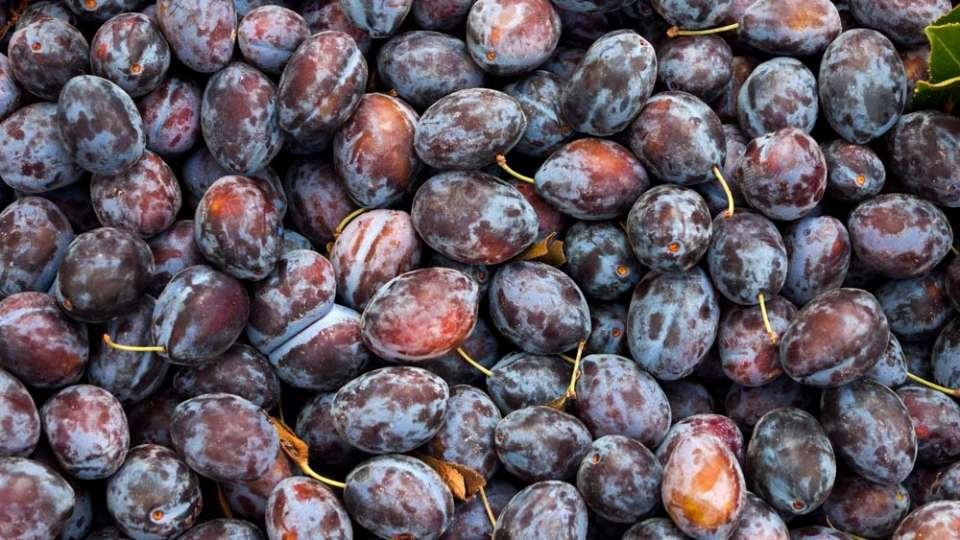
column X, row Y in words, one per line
column 224, row 505
column 298, row 452
column 568, row 359
column 726, row 190
column 486, row 507
column 572, row 389
column 346, row 221
column 766, row 320
column 502, row 162
column 955, row 250
column 955, row 392
column 476, row 365
column 132, row 348
column 675, row 31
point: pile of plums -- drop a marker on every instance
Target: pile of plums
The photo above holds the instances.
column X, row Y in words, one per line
column 473, row 269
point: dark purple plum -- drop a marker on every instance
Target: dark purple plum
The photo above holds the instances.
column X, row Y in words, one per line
column 608, row 88
column 470, row 520
column 600, row 260
column 855, row 172
column 473, row 217
column 423, row 67
column 748, row 354
column 899, row 236
column 511, row 37
column 539, row 96
column 698, row 65
column 249, row 498
column 835, row 338
column 224, row 437
column 916, row 308
column 619, row 479
column 323, row 15
column 818, row 257
column 397, row 496
column 866, row 509
column 129, row 376
column 541, row 443
column 440, row 14
column 469, row 128
column 790, row 461
column 538, row 308
column 891, row 369
column 669, row 228
column 922, row 155
column 171, row 116
column 269, row 35
column 112, row 144
column 693, row 14
column 608, row 323
column 45, row 54
column 130, row 51
column 201, row 34
column 687, row 398
column 783, row 174
column 302, row 507
column 19, row 419
column 173, row 250
column 936, row 421
column 564, row 62
column 550, row 508
column 726, row 105
column 903, row 22
column 759, row 520
column 87, row 431
column 947, row 484
column 946, row 356
column 672, row 322
column 36, row 500
column 33, row 159
column 377, row 18
column 149, row 420
column 38, row 343
column 321, row 86
column 373, row 151
column 466, row 436
column 315, row 425
column 678, row 138
column 521, row 380
column 654, row 529
column 392, row 409
column 154, row 494
column 615, row 397
column 104, row 273
column 240, row 371
column 779, row 93
column 746, row 257
column 802, row 28
column 934, row 520
column 591, row 179
column 746, row 405
column 34, row 236
column 143, row 199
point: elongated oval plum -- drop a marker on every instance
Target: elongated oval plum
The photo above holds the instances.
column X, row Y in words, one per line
column 318, row 201
column 615, row 397
column 608, row 323
column 315, row 425
column 699, row 65
column 130, row 377
column 413, row 400
column 591, row 179
column 298, row 292
column 818, row 257
column 154, row 494
column 899, row 236
column 104, row 273
column 703, row 488
column 669, row 228
column 855, row 172
column 541, row 443
column 866, row 508
column 19, row 418
column 325, row 355
column 759, row 520
column 790, row 461
column 688, row 398
column 397, row 496
column 746, row 257
column 599, row 259
column 473, row 217
column 521, row 380
column 115, row 141
column 922, row 154
column 883, row 452
column 469, row 128
column 549, row 508
column 946, row 356
column 378, row 19
column 539, row 96
column 130, row 51
column 835, row 338
column 224, row 437
column 672, row 322
column 936, row 421
column 510, row 37
column 321, row 85
column 38, row 343
column 269, row 35
column 199, row 314
column 238, row 228
column 34, row 236
column 803, row 28
column 862, row 85
column 373, row 151
column 538, row 308
column 87, row 431
column 748, row 355
column 608, row 88
column 904, row 23
column 33, row 159
column 45, row 54
column 746, row 405
column 917, row 308
column 420, row 315
column 678, row 138
column 719, row 426
column 240, row 371
column 304, row 508
column 619, row 479
column 37, row 500
column 240, row 120
column 783, row 174
column 423, row 67
column 466, row 436
column 173, row 250
column 171, row 116
column 144, row 199
column 201, row 34
column 779, row 93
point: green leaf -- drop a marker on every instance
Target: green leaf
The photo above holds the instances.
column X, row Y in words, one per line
column 943, row 96
column 952, row 17
column 944, row 51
